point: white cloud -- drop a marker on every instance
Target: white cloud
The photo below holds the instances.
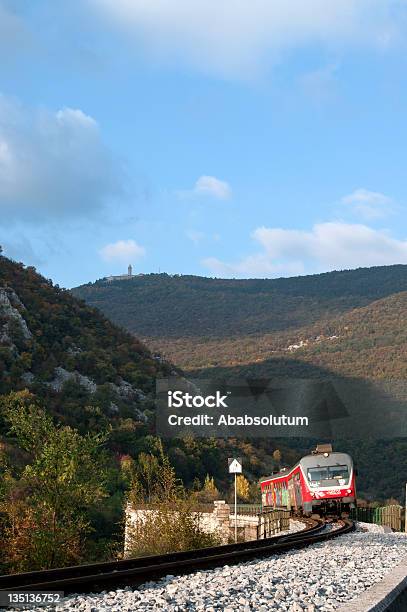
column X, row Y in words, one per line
column 208, row 186
column 52, row 164
column 237, row 37
column 212, row 186
column 328, row 246
column 368, row 204
column 123, row 251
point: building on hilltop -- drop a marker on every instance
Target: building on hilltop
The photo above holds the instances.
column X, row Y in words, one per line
column 128, row 276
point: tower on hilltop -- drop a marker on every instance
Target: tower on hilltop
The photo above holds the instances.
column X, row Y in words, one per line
column 130, row 270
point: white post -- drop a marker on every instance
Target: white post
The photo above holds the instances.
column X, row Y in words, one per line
column 236, row 507
column 405, row 512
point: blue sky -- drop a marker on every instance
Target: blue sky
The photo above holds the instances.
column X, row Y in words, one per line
column 228, row 138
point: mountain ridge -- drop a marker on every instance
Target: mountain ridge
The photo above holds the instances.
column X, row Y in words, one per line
column 224, row 306
column 202, row 323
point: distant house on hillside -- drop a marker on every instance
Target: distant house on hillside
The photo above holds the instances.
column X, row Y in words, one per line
column 128, row 276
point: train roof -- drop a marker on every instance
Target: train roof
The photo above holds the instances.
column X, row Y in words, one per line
column 313, row 460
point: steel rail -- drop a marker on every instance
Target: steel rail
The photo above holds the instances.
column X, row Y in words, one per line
column 101, row 576
column 312, row 526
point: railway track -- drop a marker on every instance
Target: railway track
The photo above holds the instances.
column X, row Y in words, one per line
column 110, row 575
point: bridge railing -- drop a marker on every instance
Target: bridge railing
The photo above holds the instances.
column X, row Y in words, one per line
column 272, row 522
column 250, row 509
column 390, row 516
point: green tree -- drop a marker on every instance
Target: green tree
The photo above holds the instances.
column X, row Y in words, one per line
column 169, row 523
column 255, row 493
column 45, row 505
column 148, row 473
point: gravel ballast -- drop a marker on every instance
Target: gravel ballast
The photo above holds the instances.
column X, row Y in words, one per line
column 320, row 577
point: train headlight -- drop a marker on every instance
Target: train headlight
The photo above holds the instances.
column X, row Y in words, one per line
column 349, row 491
column 326, row 454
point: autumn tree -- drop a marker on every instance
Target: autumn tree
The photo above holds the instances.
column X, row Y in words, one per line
column 242, row 487
column 209, row 492
column 209, row 485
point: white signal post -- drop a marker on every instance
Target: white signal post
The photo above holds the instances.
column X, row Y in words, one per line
column 405, row 512
column 235, row 467
column 235, row 507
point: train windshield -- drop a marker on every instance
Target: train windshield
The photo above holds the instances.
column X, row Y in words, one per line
column 332, row 472
column 317, row 474
column 339, row 471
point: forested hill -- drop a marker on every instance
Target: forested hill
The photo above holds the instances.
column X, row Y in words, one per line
column 367, row 342
column 159, row 305
column 67, row 353
column 352, row 323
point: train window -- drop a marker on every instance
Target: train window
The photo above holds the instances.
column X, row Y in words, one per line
column 339, row 471
column 317, row 474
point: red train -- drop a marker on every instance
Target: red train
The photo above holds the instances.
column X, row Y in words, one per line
column 321, row 482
